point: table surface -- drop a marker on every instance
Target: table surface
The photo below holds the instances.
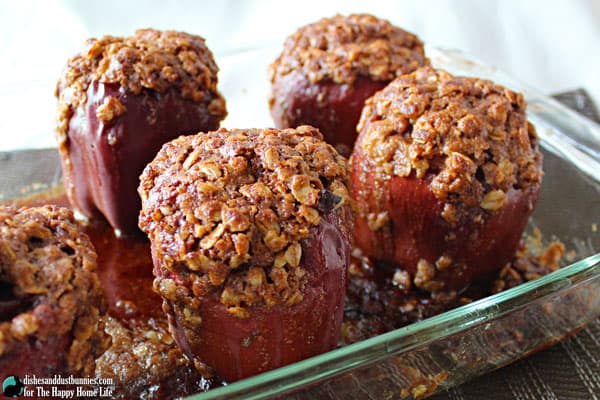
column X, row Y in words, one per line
column 568, row 370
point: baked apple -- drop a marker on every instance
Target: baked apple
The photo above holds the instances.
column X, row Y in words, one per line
column 445, row 174
column 119, row 101
column 250, row 233
column 51, row 303
column 329, row 68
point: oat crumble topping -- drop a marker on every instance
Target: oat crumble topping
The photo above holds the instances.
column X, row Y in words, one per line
column 342, row 48
column 45, row 257
column 148, row 60
column 468, row 137
column 228, row 210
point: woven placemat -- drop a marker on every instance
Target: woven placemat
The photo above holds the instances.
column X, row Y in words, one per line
column 568, row 370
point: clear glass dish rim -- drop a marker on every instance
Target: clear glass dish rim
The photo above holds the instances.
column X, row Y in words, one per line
column 442, row 325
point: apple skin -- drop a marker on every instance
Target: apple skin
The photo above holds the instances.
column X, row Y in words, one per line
column 103, row 160
column 236, row 348
column 332, row 107
column 417, row 230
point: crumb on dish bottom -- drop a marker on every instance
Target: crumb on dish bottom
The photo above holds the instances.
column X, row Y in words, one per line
column 377, row 302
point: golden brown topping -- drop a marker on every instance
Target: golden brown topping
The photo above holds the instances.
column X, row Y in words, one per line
column 377, row 221
column 469, row 137
column 148, row 60
column 343, row 48
column 227, row 210
column 110, row 109
column 533, row 259
column 402, row 279
column 493, row 200
column 443, row 262
column 48, row 263
column 425, row 273
column 144, row 361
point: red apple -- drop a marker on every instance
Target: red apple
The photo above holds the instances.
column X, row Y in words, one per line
column 332, row 107
column 445, row 174
column 272, row 337
column 113, row 121
column 250, row 231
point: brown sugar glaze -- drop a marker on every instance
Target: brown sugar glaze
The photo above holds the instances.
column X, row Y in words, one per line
column 376, row 302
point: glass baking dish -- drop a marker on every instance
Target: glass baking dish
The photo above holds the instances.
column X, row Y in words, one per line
column 453, row 347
